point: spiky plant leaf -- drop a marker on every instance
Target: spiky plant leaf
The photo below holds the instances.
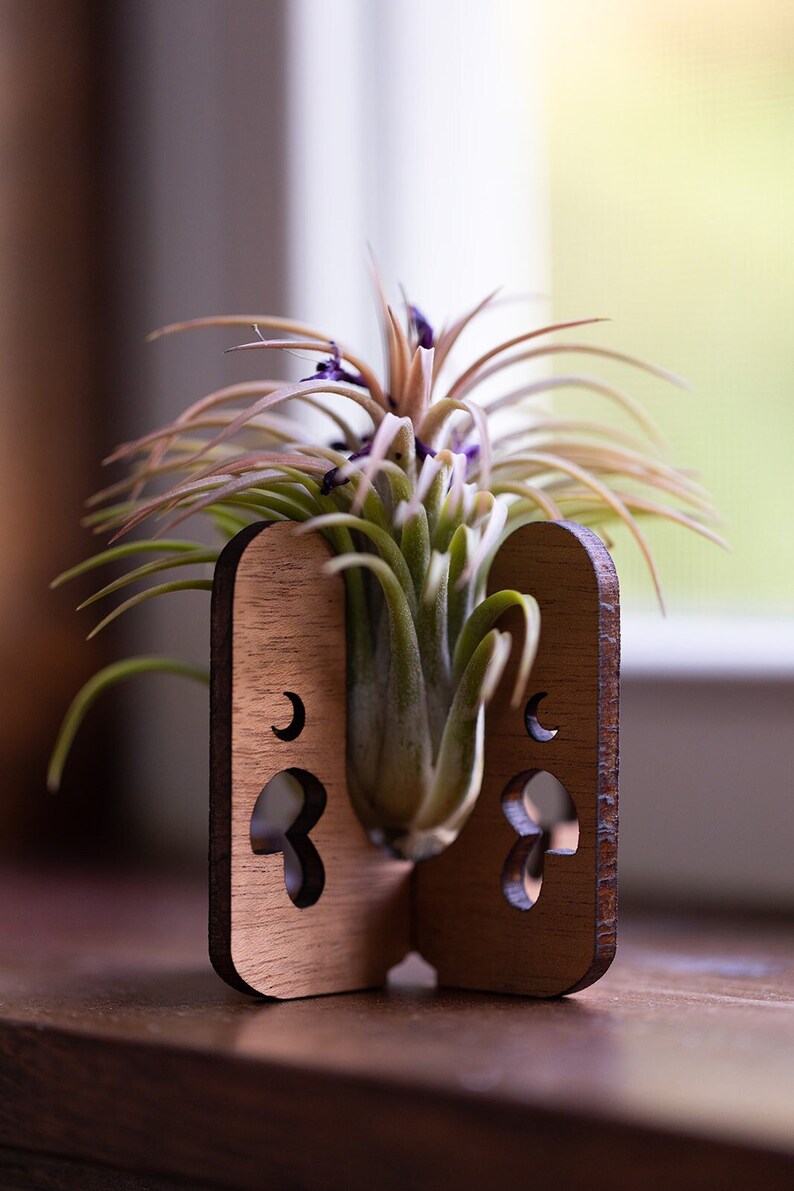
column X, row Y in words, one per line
column 88, row 694
column 415, row 506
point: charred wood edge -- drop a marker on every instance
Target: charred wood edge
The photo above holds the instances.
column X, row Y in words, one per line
column 220, row 826
column 607, row 743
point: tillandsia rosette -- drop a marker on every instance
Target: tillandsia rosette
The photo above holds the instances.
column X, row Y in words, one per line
column 415, row 493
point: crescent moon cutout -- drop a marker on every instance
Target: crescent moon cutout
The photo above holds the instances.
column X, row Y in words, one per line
column 296, row 725
column 533, row 727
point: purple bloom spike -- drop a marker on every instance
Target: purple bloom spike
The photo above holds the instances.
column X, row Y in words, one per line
column 472, row 453
column 422, row 450
column 457, row 445
column 331, row 369
column 424, row 332
column 333, row 479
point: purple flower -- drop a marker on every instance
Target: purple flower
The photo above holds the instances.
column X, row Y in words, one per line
column 424, row 332
column 331, row 369
column 422, row 451
column 472, row 451
column 333, row 479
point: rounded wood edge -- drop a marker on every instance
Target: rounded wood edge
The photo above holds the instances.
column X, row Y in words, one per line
column 220, row 753
column 220, row 949
column 608, row 588
column 608, row 734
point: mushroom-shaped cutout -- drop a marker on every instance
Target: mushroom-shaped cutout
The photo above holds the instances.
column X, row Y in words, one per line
column 542, row 812
column 284, row 813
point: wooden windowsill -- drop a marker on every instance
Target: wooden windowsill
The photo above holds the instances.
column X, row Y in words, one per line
column 125, row 1062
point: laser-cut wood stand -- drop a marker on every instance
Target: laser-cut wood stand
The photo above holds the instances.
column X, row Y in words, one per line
column 278, row 627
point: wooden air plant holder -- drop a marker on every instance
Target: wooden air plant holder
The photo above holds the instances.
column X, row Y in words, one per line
column 279, row 703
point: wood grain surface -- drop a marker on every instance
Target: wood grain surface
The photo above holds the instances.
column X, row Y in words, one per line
column 279, row 639
column 465, row 925
column 121, row 1051
column 279, row 626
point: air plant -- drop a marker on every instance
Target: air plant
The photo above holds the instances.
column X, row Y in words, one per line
column 415, row 505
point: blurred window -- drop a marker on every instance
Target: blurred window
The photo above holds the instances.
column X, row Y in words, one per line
column 671, row 173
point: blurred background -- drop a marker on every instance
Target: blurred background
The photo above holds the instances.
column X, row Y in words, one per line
column 163, row 159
